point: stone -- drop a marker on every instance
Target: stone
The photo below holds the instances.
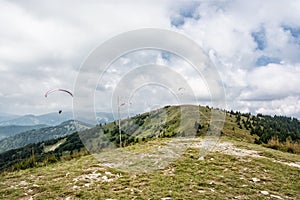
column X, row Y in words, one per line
column 276, row 196
column 264, row 192
column 255, row 180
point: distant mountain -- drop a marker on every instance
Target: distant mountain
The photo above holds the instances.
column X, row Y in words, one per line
column 11, row 130
column 101, row 118
column 50, row 119
column 6, row 117
column 42, row 134
column 53, row 119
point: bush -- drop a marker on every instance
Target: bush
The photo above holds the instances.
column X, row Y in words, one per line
column 287, row 146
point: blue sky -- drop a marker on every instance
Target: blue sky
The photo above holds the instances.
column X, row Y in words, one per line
column 255, row 46
column 260, row 39
column 184, row 12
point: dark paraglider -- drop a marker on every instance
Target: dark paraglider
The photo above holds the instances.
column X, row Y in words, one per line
column 61, row 90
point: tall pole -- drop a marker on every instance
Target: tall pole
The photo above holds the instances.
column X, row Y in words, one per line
column 120, row 132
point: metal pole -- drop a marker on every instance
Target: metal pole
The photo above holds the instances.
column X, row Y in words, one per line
column 120, row 132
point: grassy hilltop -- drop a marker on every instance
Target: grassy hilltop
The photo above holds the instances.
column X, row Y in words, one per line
column 253, row 160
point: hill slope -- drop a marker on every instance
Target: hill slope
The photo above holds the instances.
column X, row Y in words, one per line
column 6, row 131
column 39, row 135
column 235, row 170
column 161, row 160
column 161, row 123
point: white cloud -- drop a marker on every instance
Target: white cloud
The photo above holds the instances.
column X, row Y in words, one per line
column 274, row 81
column 44, row 44
column 225, row 31
column 287, row 106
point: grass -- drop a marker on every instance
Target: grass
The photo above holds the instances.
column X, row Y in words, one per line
column 146, row 171
column 219, row 176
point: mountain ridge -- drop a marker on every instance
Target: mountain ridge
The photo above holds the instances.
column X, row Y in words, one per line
column 42, row 134
column 31, row 120
column 52, row 119
column 6, row 131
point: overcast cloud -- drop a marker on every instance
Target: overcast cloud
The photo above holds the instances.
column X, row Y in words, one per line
column 255, row 46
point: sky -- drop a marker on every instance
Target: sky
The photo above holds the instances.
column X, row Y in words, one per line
column 254, row 45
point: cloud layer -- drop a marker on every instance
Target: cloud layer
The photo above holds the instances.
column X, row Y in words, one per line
column 255, row 46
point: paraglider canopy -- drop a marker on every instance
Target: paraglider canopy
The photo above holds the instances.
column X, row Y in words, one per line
column 180, row 89
column 54, row 90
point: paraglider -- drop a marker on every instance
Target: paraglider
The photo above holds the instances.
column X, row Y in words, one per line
column 54, row 90
column 58, row 90
column 181, row 90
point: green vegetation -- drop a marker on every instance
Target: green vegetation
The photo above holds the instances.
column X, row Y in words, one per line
column 40, row 135
column 241, row 169
column 34, row 155
column 278, row 132
column 219, row 176
column 281, row 133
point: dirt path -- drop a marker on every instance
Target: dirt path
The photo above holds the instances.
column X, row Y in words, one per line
column 155, row 155
column 231, row 149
